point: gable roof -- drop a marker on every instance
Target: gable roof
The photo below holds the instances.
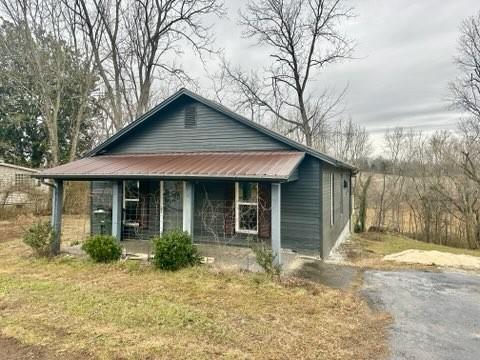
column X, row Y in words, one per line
column 227, row 112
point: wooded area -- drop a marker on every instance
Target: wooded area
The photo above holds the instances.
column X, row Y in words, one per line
column 74, row 72
column 428, row 186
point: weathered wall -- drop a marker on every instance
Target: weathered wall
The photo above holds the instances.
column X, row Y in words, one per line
column 13, row 193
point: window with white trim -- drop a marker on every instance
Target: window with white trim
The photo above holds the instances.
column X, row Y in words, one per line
column 131, row 190
column 332, row 199
column 246, row 207
column 131, row 199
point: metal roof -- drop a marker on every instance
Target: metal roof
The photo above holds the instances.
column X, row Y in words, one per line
column 255, row 165
column 224, row 110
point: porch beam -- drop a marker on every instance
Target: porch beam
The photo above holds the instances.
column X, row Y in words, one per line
column 117, row 204
column 276, row 222
column 57, row 205
column 188, row 207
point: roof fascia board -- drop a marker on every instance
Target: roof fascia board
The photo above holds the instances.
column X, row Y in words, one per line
column 169, row 177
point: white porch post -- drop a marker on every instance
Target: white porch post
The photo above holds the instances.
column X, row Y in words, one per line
column 161, row 206
column 117, row 203
column 57, row 204
column 276, row 222
column 188, row 207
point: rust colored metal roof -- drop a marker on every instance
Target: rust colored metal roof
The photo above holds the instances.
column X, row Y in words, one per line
column 261, row 165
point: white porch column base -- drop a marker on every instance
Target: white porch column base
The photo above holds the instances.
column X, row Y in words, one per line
column 276, row 222
column 57, row 205
column 188, row 207
column 117, row 203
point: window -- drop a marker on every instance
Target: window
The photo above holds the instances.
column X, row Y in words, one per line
column 190, row 117
column 332, row 199
column 246, row 207
column 131, row 199
column 131, row 190
column 23, row 180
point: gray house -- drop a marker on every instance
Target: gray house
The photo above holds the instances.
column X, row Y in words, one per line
column 192, row 164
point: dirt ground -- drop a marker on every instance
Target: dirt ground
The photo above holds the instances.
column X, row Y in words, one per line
column 433, row 257
column 380, row 250
column 12, row 349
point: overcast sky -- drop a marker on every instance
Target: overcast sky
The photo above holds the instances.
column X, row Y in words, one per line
column 404, row 61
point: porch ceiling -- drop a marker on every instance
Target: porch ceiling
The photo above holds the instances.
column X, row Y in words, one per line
column 255, row 165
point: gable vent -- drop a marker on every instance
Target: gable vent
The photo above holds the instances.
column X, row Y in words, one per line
column 190, row 117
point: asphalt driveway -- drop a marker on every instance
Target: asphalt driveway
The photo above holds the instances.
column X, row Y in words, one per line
column 436, row 315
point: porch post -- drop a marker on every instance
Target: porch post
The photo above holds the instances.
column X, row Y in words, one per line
column 57, row 204
column 188, row 207
column 276, row 223
column 117, row 204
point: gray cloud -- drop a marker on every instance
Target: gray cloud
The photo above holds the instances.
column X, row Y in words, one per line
column 404, row 60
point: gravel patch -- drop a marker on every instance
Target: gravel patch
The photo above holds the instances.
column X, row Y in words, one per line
column 434, row 257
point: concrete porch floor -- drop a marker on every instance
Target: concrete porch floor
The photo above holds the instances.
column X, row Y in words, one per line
column 223, row 256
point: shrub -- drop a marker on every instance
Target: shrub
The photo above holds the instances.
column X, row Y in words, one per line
column 174, row 250
column 40, row 237
column 102, row 248
column 266, row 259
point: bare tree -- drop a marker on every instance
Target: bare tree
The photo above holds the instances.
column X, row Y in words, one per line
column 303, row 37
column 346, row 140
column 466, row 89
column 132, row 43
column 466, row 96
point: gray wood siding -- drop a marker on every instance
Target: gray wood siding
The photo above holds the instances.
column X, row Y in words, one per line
column 305, row 212
column 300, row 212
column 166, row 132
column 330, row 233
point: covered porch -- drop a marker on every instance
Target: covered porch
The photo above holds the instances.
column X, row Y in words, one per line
column 218, row 198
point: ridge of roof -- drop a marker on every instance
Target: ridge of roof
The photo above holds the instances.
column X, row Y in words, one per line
column 226, row 111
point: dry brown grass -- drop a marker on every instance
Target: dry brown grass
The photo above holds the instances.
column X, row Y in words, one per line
column 129, row 310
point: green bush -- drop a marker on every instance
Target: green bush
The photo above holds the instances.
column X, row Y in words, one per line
column 174, row 250
column 40, row 237
column 102, row 248
column 266, row 259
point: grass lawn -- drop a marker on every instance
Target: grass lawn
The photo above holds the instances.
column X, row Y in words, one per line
column 384, row 244
column 73, row 308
